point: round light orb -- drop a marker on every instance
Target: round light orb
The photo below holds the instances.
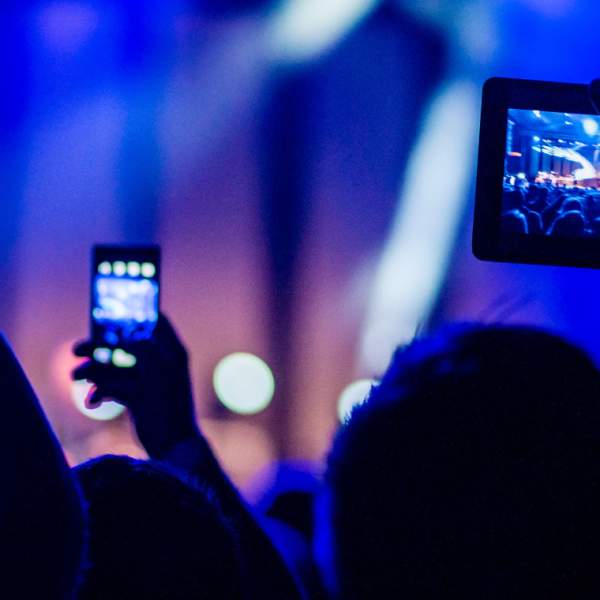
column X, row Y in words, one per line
column 590, row 125
column 107, row 411
column 353, row 395
column 244, row 383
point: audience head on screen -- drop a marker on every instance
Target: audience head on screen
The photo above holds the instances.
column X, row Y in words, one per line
column 153, row 535
column 570, row 223
column 514, row 221
column 472, row 471
column 572, row 204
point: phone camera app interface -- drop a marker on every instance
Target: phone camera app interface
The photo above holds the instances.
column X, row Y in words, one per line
column 552, row 174
column 125, row 300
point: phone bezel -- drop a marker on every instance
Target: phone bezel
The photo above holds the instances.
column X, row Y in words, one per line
column 489, row 243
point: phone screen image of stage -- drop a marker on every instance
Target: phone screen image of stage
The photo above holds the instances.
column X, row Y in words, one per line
column 124, row 301
column 551, row 181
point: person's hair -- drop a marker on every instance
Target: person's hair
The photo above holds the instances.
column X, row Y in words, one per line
column 572, row 203
column 534, row 221
column 514, row 221
column 472, row 471
column 513, row 199
column 153, row 535
column 594, row 227
column 570, row 223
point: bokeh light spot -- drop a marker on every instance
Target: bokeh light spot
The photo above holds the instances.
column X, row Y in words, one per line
column 244, row 383
column 590, row 126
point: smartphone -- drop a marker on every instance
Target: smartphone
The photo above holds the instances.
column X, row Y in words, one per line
column 125, row 292
column 538, row 174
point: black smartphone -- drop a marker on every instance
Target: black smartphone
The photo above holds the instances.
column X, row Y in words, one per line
column 125, row 294
column 538, row 174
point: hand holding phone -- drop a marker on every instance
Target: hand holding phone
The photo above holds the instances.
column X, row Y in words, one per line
column 157, row 389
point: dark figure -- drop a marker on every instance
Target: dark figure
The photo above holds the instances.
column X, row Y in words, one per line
column 513, row 199
column 514, row 221
column 592, row 206
column 569, row 224
column 471, row 472
column 542, row 198
column 536, row 198
column 158, row 393
column 153, row 535
column 287, row 507
column 534, row 221
column 549, row 213
column 41, row 516
column 572, row 204
column 594, row 228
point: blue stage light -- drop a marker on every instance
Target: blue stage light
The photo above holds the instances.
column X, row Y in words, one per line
column 590, row 126
column 304, row 29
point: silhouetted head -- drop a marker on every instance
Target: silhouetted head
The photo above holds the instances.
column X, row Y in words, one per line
column 542, row 196
column 572, row 204
column 513, row 199
column 593, row 206
column 288, row 497
column 472, row 471
column 514, row 221
column 153, row 535
column 571, row 224
column 534, row 221
column 594, row 227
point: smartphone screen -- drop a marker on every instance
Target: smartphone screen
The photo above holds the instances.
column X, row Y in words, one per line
column 125, row 294
column 552, row 174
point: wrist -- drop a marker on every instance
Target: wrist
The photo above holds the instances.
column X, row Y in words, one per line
column 190, row 453
column 158, row 446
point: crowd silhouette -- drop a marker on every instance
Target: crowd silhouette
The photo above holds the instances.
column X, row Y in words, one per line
column 471, row 470
column 543, row 209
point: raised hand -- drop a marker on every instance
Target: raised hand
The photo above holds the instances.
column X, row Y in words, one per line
column 156, row 389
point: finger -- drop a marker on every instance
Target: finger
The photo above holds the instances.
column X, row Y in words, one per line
column 110, row 392
column 84, row 348
column 98, row 394
column 94, row 371
column 84, row 371
column 104, row 354
column 94, row 398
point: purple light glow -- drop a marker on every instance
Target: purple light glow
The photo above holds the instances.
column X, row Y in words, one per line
column 66, row 26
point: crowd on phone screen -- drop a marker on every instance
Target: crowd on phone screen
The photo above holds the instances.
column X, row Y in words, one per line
column 471, row 471
column 544, row 209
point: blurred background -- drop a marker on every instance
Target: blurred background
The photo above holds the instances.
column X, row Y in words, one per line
column 307, row 167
